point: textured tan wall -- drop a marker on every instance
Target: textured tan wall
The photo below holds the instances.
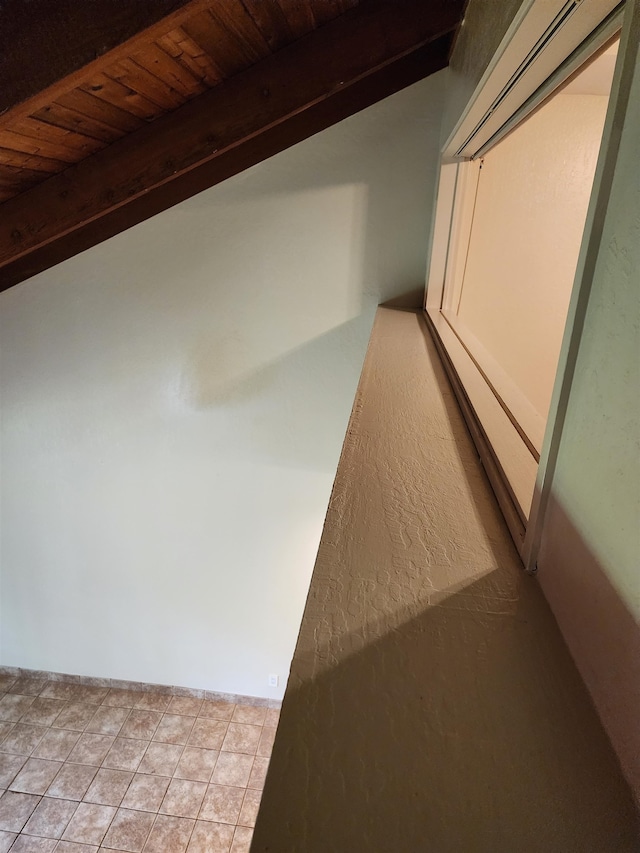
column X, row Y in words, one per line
column 432, row 704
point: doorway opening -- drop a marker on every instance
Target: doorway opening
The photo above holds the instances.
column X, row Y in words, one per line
column 508, row 233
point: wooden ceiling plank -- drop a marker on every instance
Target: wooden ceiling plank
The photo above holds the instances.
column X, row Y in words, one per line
column 225, row 130
column 327, row 10
column 22, row 160
column 114, row 92
column 216, row 41
column 366, row 91
column 44, row 132
column 20, row 179
column 185, row 51
column 161, row 64
column 70, row 119
column 240, row 25
column 60, row 56
column 299, row 16
column 271, row 21
column 132, row 75
column 101, row 111
column 28, row 145
column 345, row 5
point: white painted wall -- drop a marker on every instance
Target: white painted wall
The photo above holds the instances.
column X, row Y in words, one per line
column 174, row 403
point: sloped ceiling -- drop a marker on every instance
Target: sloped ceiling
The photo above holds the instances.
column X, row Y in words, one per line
column 111, row 112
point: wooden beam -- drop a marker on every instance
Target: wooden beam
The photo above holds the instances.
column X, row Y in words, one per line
column 43, row 42
column 357, row 59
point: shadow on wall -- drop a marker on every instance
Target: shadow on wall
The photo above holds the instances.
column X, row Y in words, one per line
column 271, row 422
column 254, row 298
column 598, row 628
column 450, row 732
column 175, row 400
column 432, row 706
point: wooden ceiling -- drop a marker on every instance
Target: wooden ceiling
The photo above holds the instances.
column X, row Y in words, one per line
column 103, row 126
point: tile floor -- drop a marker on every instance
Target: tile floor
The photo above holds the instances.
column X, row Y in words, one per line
column 85, row 768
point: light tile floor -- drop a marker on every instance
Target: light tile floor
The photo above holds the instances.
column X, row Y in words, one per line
column 85, row 768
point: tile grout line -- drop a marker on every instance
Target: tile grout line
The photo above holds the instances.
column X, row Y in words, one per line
column 90, row 701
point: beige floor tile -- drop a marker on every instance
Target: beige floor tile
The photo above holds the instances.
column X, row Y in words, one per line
column 232, row 768
column 183, row 798
column 272, row 717
column 29, row 844
column 22, row 739
column 108, row 787
column 258, row 773
column 75, row 716
column 126, row 754
column 266, row 741
column 141, row 724
column 56, row 745
column 242, row 840
column 144, row 771
column 118, row 698
column 185, row 705
column 43, row 711
column 161, row 759
column 91, row 749
column 222, row 804
column 210, row 838
column 12, row 707
column 6, row 681
column 208, row 734
column 6, row 840
column 169, row 835
column 242, row 738
column 146, row 793
column 250, row 714
column 36, row 776
column 174, row 728
column 217, row 710
column 60, row 690
column 129, row 830
column 72, row 847
column 250, row 806
column 16, row 809
column 89, row 824
column 107, row 721
column 10, row 766
column 51, row 817
column 28, row 686
column 196, row 764
column 91, row 694
column 72, row 781
column 153, row 701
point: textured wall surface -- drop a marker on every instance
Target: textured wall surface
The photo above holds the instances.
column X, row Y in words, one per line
column 174, row 402
column 432, row 704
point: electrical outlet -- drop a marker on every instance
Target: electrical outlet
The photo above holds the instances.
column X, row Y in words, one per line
column 274, row 680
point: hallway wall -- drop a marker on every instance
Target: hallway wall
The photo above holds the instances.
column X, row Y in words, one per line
column 174, row 401
column 590, row 553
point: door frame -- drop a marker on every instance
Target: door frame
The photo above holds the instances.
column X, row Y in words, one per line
column 545, row 45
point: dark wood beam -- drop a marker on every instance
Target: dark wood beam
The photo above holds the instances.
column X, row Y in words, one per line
column 44, row 41
column 357, row 59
